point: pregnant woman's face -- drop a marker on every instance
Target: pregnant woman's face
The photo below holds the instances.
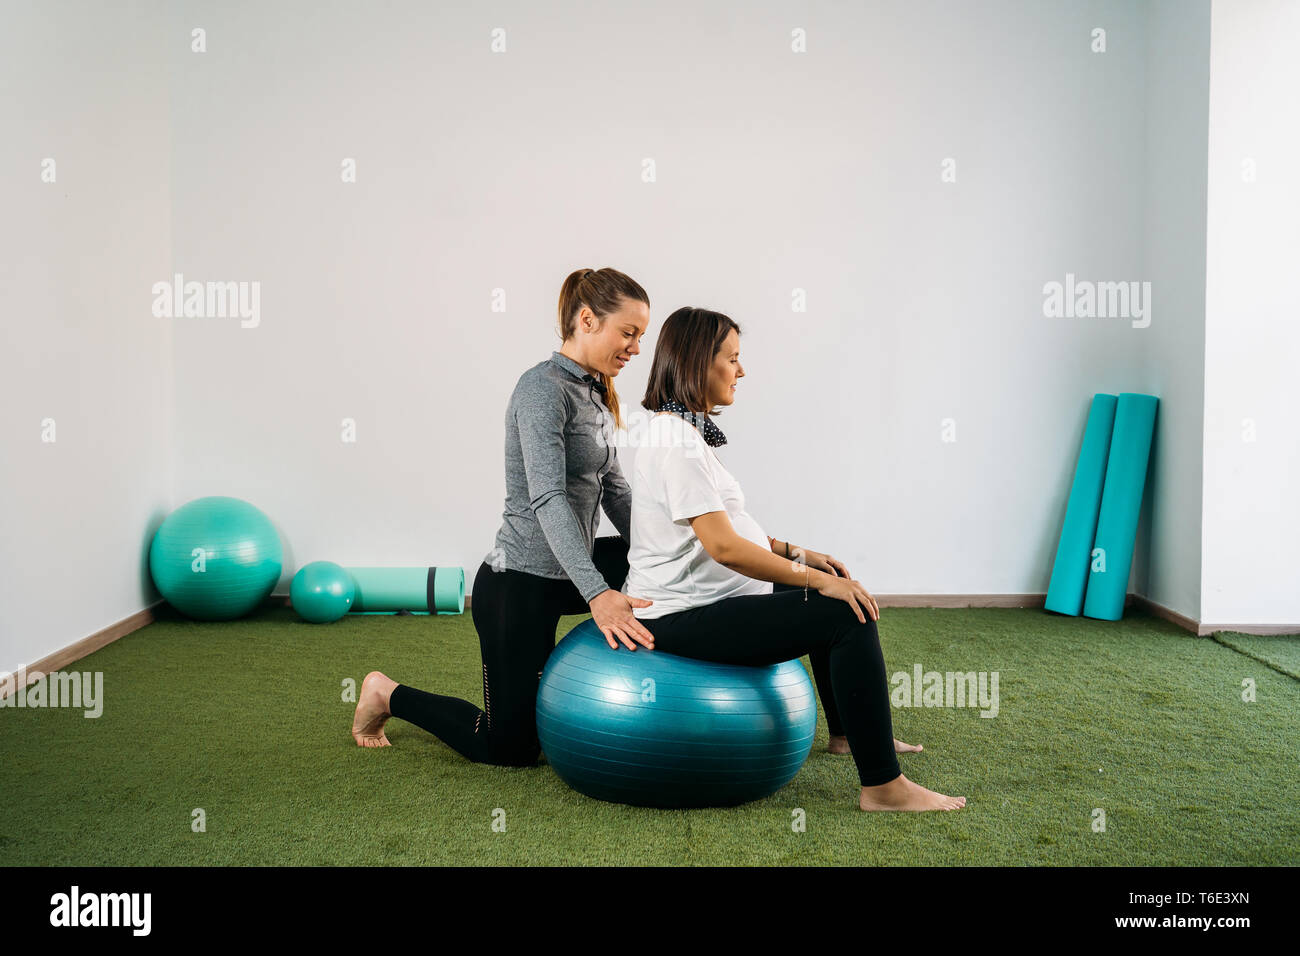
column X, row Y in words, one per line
column 610, row 349
column 725, row 371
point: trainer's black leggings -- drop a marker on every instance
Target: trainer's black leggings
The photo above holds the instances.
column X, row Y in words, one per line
column 516, row 615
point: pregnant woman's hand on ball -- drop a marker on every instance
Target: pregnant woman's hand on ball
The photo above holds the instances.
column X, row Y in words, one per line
column 845, row 589
column 612, row 612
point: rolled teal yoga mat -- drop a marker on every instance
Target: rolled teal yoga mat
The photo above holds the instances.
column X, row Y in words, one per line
column 1070, row 571
column 1121, row 499
column 431, row 590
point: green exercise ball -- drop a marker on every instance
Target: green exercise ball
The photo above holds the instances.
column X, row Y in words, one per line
column 322, row 592
column 216, row 558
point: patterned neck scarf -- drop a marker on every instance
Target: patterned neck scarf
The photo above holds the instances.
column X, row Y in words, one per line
column 713, row 436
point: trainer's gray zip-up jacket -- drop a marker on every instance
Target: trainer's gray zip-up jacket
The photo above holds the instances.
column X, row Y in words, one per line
column 560, row 469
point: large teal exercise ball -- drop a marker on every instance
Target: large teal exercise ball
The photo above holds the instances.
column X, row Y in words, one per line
column 322, row 592
column 216, row 558
column 654, row 729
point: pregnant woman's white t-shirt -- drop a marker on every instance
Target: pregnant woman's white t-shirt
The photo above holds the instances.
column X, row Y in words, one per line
column 675, row 477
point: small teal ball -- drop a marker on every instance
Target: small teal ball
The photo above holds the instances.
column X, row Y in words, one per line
column 322, row 592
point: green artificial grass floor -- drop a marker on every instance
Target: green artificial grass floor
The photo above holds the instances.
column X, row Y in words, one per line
column 246, row 720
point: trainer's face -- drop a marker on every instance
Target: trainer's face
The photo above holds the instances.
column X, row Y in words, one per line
column 608, row 348
column 726, row 371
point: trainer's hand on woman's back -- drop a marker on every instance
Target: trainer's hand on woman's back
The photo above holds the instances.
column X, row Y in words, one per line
column 612, row 612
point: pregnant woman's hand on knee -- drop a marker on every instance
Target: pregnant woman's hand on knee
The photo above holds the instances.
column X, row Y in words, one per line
column 612, row 612
column 855, row 594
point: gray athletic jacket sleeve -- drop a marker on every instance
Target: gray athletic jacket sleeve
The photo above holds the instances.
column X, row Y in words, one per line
column 559, row 466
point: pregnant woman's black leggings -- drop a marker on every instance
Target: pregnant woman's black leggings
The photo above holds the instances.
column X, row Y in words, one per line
column 847, row 663
column 516, row 614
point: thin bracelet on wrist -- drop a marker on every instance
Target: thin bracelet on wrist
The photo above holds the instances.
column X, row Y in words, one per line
column 805, row 573
column 805, row 567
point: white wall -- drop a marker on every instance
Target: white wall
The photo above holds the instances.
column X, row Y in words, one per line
column 1177, row 106
column 84, row 84
column 776, row 171
column 1251, row 572
column 478, row 172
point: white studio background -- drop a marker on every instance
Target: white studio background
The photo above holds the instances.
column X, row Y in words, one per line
column 914, row 175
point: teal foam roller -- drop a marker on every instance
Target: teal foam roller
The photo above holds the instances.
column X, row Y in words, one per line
column 1074, row 550
column 1121, row 500
column 434, row 590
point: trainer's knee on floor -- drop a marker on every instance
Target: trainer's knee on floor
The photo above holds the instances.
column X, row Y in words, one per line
column 517, row 751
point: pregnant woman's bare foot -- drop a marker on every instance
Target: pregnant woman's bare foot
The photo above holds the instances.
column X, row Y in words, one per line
column 372, row 711
column 840, row 745
column 902, row 794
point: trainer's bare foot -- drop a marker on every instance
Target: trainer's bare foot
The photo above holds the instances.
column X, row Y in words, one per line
column 372, row 711
column 840, row 745
column 902, row 794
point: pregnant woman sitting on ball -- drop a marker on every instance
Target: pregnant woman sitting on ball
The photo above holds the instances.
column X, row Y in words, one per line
column 547, row 561
column 709, row 569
